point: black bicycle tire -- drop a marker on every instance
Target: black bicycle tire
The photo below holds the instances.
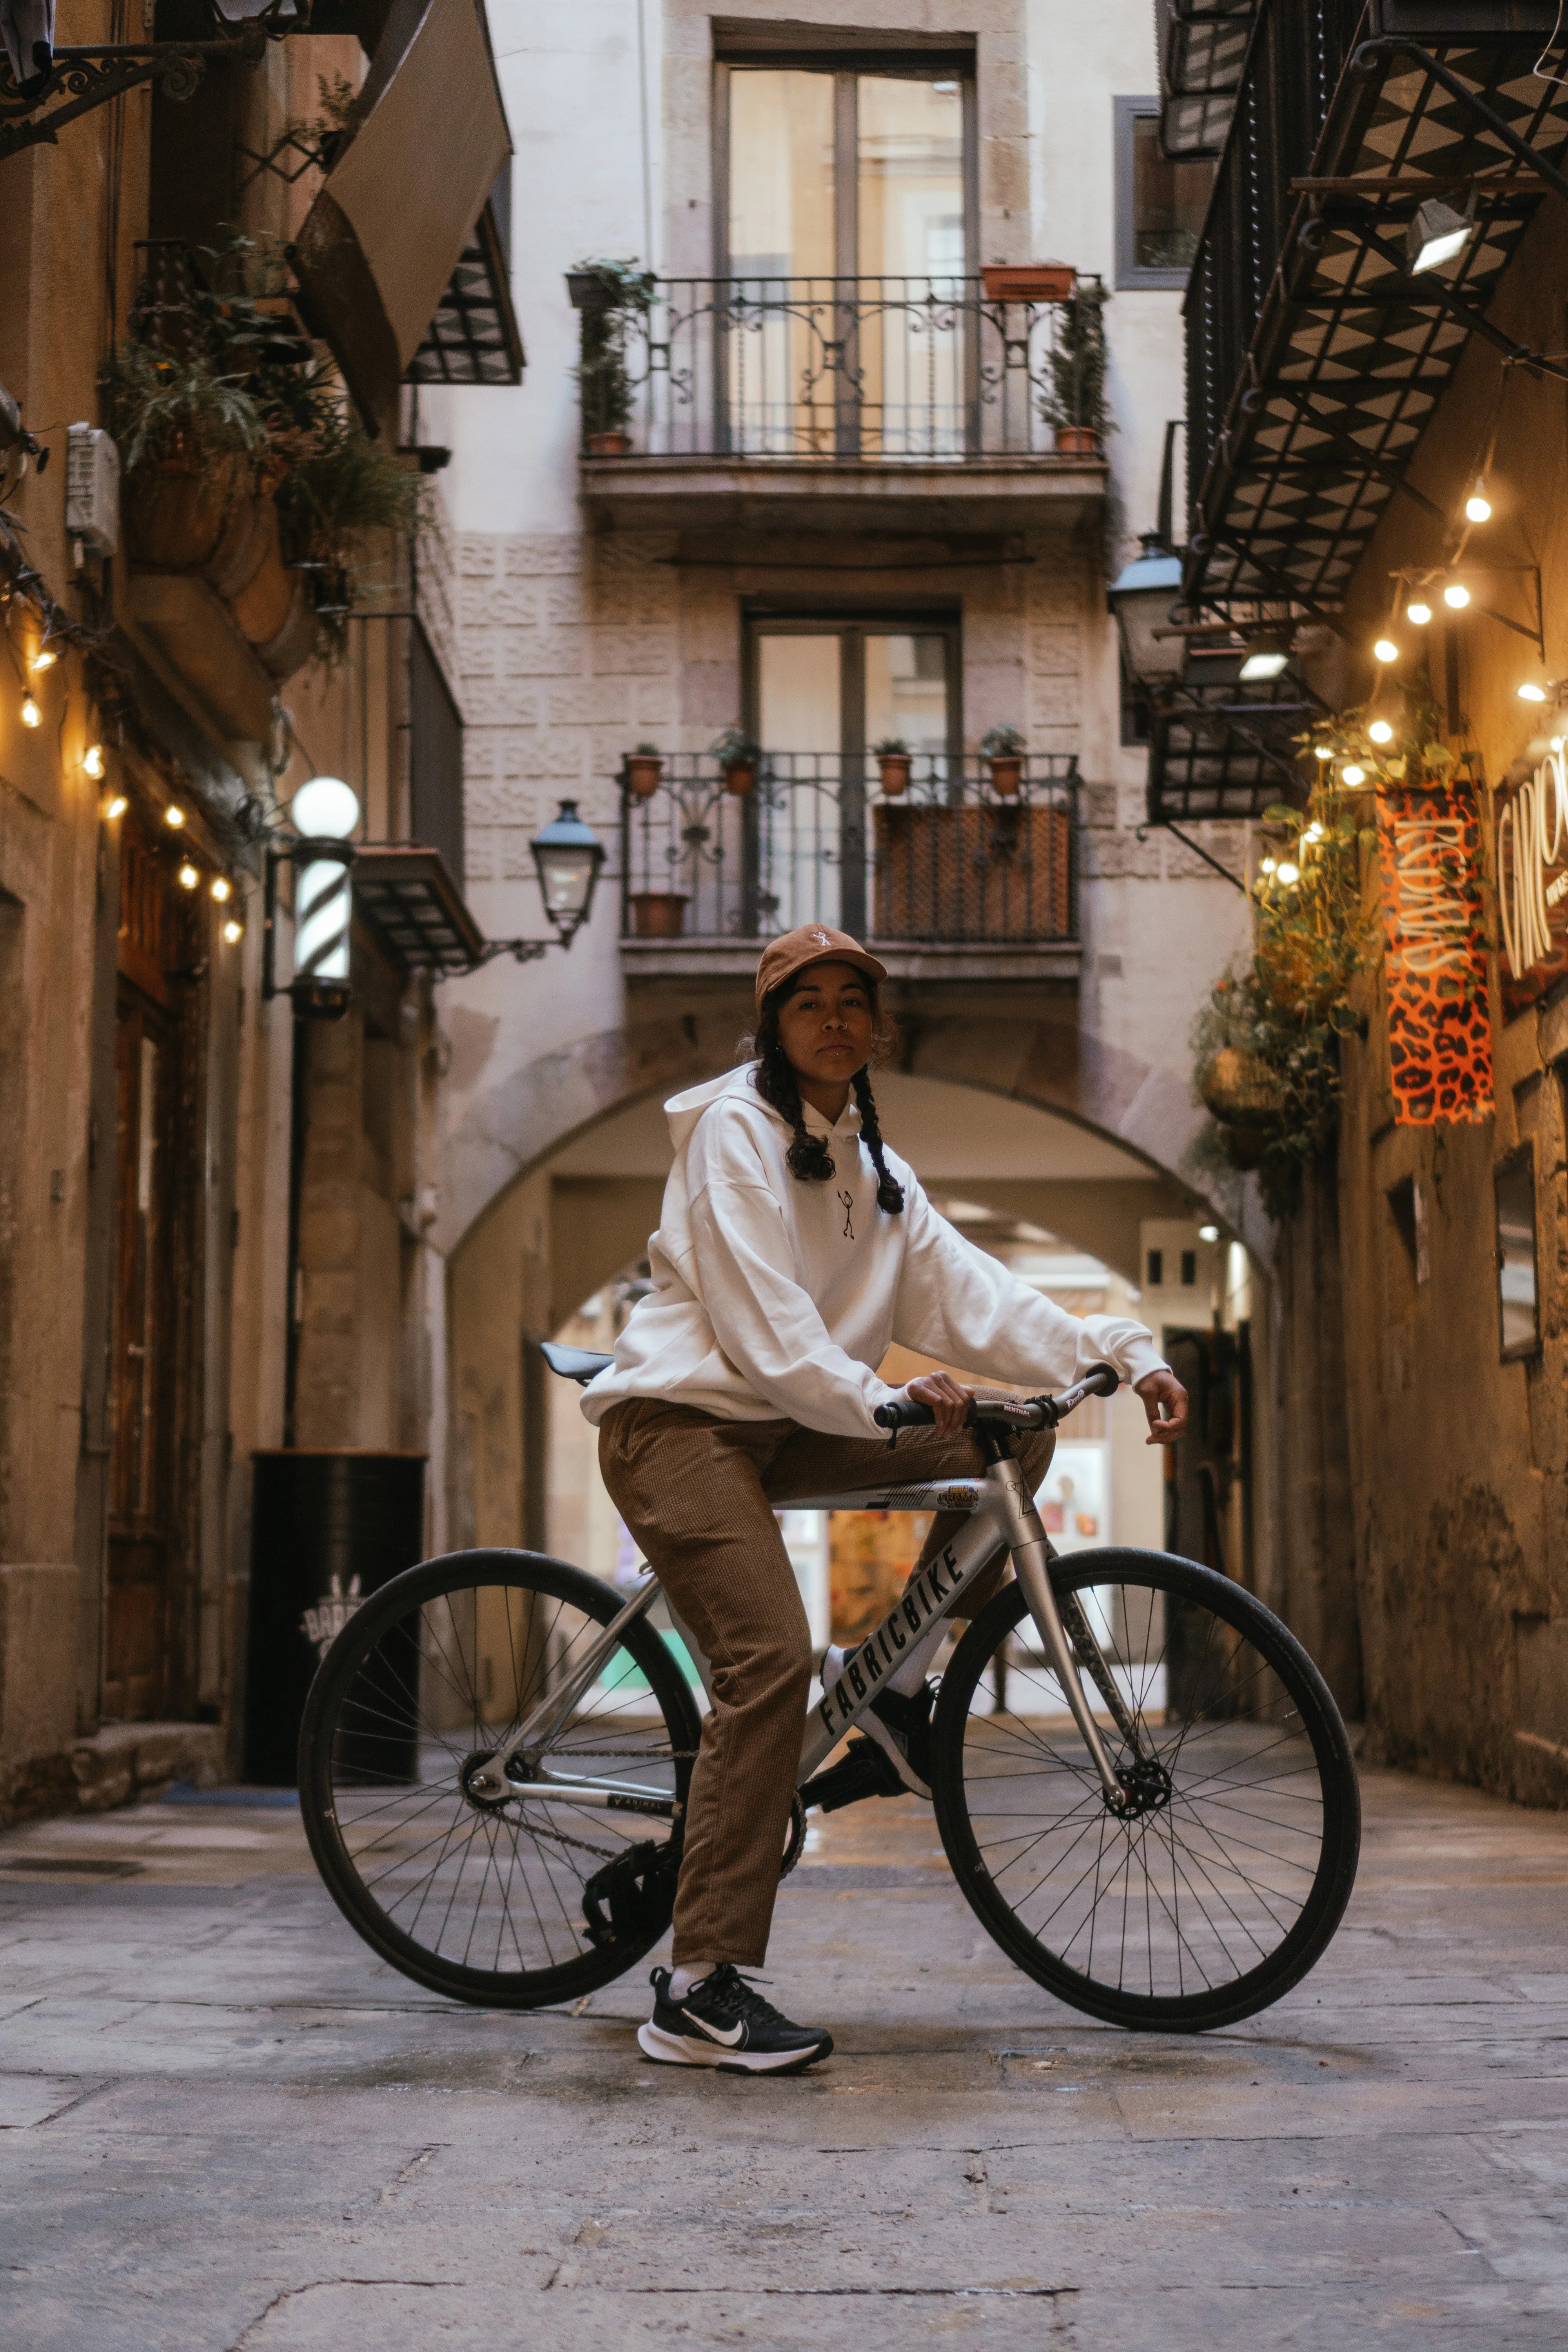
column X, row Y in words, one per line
column 414, row 1588
column 1320, row 1915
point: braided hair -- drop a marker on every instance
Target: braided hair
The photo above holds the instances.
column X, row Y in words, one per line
column 810, row 1160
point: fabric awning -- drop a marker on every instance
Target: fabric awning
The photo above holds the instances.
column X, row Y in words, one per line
column 392, row 221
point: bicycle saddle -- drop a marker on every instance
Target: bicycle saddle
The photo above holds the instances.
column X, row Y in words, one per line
column 580, row 1364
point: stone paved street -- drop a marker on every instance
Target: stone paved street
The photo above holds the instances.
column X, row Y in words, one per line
column 227, row 2128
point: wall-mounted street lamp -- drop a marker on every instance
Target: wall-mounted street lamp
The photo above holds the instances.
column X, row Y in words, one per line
column 567, row 854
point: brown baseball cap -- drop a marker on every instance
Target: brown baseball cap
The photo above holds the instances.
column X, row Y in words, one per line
column 813, row 943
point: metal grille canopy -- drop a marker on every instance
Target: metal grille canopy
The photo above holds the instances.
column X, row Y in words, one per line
column 412, row 902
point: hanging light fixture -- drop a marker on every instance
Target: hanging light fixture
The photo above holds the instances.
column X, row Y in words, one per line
column 1353, row 775
column 45, row 658
column 174, row 815
column 31, row 715
column 188, row 876
column 1289, row 873
column 568, row 854
column 1436, row 234
column 1380, row 731
column 233, row 929
column 1268, row 651
column 93, row 761
column 221, row 888
column 1323, row 751
column 1530, row 692
column 117, row 806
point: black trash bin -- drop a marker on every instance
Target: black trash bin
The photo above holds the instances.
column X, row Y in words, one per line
column 328, row 1530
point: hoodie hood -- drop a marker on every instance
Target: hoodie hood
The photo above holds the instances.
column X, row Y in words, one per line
column 683, row 1111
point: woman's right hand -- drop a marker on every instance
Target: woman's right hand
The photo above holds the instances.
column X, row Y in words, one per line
column 949, row 1400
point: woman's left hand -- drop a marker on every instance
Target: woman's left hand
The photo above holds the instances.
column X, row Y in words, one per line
column 949, row 1400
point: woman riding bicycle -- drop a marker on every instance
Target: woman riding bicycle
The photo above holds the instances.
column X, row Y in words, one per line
column 794, row 1248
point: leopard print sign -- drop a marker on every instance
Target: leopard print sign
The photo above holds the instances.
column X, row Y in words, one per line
column 1439, row 1024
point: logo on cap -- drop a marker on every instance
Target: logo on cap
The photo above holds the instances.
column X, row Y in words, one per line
column 821, row 939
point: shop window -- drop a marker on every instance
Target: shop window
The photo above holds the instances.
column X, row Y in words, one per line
column 1159, row 206
column 1518, row 1312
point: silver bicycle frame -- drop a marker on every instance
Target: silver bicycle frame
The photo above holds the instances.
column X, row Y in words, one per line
column 1001, row 1517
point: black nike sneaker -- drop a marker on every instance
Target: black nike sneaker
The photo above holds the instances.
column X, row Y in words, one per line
column 725, row 2023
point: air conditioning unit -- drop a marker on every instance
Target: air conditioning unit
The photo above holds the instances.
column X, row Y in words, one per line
column 93, row 489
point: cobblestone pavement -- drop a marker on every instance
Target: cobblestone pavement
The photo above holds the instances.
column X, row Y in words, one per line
column 225, row 2127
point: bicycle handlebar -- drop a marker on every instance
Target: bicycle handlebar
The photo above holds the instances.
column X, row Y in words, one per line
column 1005, row 1412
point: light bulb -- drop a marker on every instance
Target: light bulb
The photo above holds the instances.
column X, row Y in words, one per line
column 1353, row 775
column 1555, row 744
column 1477, row 506
column 233, row 930
column 1380, row 731
column 1289, row 873
column 173, row 815
column 1456, row 595
column 222, row 888
column 1418, row 611
column 1528, row 693
column 45, row 658
column 1386, row 650
column 1209, row 1233
column 1315, row 832
column 31, row 715
column 93, row 761
column 1267, row 865
column 117, row 806
column 188, row 876
column 1324, row 750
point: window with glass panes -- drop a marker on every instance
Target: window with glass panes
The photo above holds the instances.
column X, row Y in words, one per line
column 1160, row 203
column 846, row 235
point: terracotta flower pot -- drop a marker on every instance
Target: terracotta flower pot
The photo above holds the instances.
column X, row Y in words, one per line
column 740, row 781
column 658, row 914
column 895, row 767
column 1006, row 775
column 1029, row 281
column 643, row 771
column 609, row 445
column 295, row 642
column 1077, row 441
column 262, row 604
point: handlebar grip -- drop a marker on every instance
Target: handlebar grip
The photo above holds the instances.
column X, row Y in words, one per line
column 1103, row 1379
column 906, row 1414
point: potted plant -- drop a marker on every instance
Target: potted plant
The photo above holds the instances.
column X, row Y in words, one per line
column 1076, row 405
column 737, row 755
column 643, row 768
column 607, row 297
column 1004, row 747
column 658, row 914
column 893, row 755
column 1029, row 281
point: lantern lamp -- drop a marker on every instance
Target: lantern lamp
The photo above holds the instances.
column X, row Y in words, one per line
column 568, row 854
column 1141, row 599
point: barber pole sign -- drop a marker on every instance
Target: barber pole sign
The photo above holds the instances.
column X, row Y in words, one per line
column 1439, row 1022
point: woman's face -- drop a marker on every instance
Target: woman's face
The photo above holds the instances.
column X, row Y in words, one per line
column 827, row 1027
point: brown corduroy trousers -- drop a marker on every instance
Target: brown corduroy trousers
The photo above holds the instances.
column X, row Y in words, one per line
column 698, row 1496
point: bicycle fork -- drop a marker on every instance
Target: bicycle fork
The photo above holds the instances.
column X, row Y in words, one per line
column 1031, row 1565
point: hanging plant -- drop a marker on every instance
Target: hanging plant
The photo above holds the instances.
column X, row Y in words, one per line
column 608, row 295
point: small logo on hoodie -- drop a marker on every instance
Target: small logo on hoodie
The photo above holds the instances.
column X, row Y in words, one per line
column 847, row 1203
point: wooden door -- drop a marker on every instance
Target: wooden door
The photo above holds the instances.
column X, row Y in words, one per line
column 143, row 1339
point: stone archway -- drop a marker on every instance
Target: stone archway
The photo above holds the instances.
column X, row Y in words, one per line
column 1054, row 1065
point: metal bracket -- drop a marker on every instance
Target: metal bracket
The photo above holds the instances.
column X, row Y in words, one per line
column 88, row 76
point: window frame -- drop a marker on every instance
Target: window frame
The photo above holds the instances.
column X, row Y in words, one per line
column 1130, row 275
column 1521, row 1159
column 846, row 66
column 852, row 629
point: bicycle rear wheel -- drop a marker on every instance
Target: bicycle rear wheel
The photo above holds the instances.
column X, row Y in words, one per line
column 1226, row 1888
column 495, row 1902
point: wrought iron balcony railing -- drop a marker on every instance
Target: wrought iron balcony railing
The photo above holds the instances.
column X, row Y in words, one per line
column 880, row 368
column 949, row 860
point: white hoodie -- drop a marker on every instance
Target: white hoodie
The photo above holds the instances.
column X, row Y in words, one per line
column 775, row 1300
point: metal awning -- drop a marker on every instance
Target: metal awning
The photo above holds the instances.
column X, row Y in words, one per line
column 474, row 337
column 1200, row 73
column 1216, row 750
column 416, row 909
column 396, row 213
column 1324, row 405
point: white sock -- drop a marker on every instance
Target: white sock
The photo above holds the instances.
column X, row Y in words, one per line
column 681, row 1980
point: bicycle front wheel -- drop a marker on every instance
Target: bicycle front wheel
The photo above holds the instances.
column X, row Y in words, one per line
column 1226, row 1886
column 502, row 1899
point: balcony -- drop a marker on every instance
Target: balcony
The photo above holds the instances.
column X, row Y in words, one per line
column 949, row 879
column 846, row 404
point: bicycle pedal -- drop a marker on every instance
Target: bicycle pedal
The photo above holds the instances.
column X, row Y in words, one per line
column 864, row 1772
